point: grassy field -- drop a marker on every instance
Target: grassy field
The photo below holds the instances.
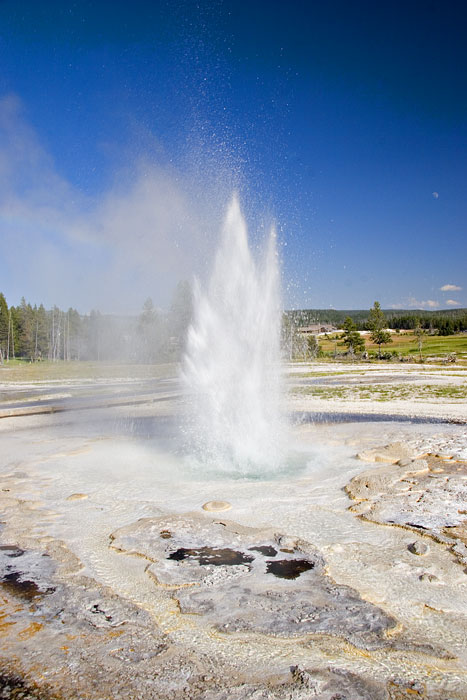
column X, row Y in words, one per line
column 406, row 344
column 25, row 371
column 385, row 392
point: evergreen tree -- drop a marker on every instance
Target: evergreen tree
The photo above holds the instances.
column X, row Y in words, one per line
column 75, row 329
column 94, row 335
column 25, row 330
column 312, row 347
column 4, row 327
column 149, row 332
column 419, row 334
column 41, row 335
column 377, row 324
column 180, row 314
column 352, row 338
column 14, row 331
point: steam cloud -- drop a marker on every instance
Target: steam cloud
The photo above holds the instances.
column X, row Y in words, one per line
column 60, row 245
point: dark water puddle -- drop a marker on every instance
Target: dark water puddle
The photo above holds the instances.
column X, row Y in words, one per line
column 283, row 568
column 265, row 550
column 212, row 556
column 11, row 550
column 22, row 588
column 288, row 568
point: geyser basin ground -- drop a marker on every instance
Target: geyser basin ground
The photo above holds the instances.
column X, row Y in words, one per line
column 131, row 587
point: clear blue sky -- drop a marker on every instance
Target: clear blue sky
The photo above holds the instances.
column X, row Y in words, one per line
column 125, row 125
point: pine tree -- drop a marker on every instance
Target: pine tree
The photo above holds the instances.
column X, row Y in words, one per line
column 41, row 339
column 377, row 324
column 180, row 314
column 75, row 334
column 25, row 329
column 148, row 331
column 14, row 331
column 312, row 347
column 94, row 337
column 419, row 334
column 352, row 338
column 4, row 325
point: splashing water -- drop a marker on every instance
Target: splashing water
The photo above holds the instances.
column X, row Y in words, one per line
column 231, row 367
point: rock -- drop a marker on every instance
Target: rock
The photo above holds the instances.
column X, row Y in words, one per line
column 206, row 563
column 458, row 532
column 99, row 634
column 418, row 548
column 428, row 577
column 361, row 507
column 405, row 462
column 416, row 466
column 77, row 497
column 332, row 684
column 391, row 454
column 461, row 550
column 428, row 495
column 400, row 689
column 216, row 506
column 370, row 483
column 302, row 677
column 286, row 543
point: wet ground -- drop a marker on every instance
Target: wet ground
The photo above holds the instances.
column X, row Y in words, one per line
column 115, row 583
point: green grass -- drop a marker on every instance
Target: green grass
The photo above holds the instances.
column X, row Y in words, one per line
column 332, row 392
column 432, row 345
column 308, row 375
column 384, row 392
column 407, row 344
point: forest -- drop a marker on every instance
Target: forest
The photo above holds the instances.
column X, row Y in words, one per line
column 35, row 333
column 445, row 322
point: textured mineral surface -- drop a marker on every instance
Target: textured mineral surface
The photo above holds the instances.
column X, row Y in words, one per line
column 428, row 495
column 341, row 578
column 270, row 589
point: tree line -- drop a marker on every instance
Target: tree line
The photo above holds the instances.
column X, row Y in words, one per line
column 445, row 322
column 298, row 345
column 36, row 333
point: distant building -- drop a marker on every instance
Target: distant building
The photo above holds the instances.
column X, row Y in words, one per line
column 317, row 328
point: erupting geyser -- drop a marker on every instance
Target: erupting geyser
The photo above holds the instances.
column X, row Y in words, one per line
column 231, row 368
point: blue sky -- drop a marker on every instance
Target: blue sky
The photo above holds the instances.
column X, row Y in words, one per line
column 124, row 127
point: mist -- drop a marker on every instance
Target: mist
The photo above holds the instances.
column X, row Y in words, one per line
column 153, row 225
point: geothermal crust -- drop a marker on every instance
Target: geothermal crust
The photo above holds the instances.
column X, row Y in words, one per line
column 427, row 495
column 352, row 586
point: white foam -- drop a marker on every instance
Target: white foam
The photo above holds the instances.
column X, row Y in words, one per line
column 231, row 369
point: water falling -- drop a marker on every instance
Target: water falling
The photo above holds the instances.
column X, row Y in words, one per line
column 231, row 367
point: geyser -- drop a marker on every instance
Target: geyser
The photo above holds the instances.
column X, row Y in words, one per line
column 231, row 368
